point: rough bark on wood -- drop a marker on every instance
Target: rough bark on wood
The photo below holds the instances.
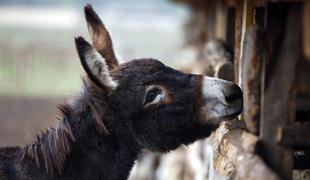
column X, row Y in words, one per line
column 253, row 167
column 234, row 154
column 253, row 54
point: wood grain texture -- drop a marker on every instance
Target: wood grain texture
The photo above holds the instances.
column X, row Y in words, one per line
column 278, row 101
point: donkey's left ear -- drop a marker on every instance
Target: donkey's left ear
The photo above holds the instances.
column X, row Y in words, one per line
column 100, row 36
column 94, row 65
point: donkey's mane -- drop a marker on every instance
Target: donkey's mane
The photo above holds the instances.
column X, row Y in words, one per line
column 54, row 144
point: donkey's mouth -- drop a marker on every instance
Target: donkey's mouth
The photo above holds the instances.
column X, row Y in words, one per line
column 219, row 119
column 231, row 116
column 221, row 112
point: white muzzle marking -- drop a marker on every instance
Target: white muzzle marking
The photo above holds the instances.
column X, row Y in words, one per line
column 215, row 94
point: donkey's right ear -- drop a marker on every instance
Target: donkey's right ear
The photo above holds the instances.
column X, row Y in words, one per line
column 100, row 36
column 94, row 65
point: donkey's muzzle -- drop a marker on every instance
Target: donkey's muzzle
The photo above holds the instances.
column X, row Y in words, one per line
column 222, row 100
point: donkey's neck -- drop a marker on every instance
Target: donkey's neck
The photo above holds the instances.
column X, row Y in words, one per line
column 80, row 148
column 97, row 153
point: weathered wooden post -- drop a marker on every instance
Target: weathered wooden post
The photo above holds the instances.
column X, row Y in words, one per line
column 283, row 46
column 253, row 54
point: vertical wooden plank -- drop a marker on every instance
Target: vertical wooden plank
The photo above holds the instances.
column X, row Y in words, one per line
column 251, row 63
column 252, row 58
column 247, row 20
column 244, row 18
column 248, row 13
column 279, row 75
column 306, row 29
column 238, row 31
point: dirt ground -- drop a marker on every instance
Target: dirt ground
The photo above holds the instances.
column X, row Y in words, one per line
column 22, row 118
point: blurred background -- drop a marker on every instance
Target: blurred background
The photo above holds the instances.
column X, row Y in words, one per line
column 37, row 52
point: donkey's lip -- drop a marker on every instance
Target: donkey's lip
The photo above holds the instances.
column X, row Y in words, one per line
column 217, row 120
column 231, row 116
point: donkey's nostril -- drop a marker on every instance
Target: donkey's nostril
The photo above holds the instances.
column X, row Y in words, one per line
column 233, row 94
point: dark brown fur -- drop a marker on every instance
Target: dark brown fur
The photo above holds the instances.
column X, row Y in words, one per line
column 101, row 133
column 59, row 153
column 100, row 37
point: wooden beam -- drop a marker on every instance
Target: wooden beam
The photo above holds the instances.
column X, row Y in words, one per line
column 238, row 32
column 278, row 88
column 234, row 154
column 253, row 54
column 247, row 21
column 253, row 51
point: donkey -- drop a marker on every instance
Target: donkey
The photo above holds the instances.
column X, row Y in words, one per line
column 123, row 109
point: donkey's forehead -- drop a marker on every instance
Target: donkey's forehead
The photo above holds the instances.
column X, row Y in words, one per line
column 146, row 66
column 144, row 71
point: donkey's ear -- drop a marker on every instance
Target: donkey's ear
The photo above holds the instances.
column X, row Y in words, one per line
column 100, row 36
column 94, row 65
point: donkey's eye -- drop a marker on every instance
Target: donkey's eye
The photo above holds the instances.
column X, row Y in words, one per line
column 151, row 95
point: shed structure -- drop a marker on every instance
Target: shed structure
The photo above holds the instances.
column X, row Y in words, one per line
column 270, row 42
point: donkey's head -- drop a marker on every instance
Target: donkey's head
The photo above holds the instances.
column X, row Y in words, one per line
column 153, row 105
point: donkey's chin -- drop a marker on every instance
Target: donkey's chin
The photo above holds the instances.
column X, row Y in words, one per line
column 232, row 113
column 230, row 116
column 218, row 119
column 216, row 116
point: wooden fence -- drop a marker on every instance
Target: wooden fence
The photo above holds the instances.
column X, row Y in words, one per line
column 270, row 41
